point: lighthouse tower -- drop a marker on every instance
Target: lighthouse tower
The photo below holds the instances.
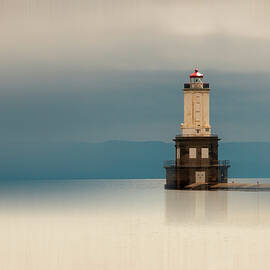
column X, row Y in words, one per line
column 196, row 107
column 196, row 163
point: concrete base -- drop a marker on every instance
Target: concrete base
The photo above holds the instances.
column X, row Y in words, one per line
column 186, row 168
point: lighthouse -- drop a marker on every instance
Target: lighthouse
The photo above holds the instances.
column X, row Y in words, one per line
column 196, row 164
column 196, row 107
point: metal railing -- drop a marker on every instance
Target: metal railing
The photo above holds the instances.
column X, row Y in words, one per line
column 169, row 163
column 224, row 163
column 187, row 85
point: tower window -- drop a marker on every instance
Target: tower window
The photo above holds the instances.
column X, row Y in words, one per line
column 205, row 153
column 178, row 153
column 192, row 152
column 197, row 112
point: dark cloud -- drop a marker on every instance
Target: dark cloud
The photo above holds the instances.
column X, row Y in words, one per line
column 131, row 106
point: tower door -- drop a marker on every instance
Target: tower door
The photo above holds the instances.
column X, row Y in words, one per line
column 200, row 177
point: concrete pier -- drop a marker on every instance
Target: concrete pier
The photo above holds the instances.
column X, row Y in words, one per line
column 229, row 186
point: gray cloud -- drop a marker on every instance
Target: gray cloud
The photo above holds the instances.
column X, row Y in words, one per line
column 121, row 35
column 101, row 70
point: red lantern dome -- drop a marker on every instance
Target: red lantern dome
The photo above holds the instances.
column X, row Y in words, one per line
column 196, row 74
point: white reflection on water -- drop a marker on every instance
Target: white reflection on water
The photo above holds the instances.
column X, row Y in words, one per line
column 131, row 224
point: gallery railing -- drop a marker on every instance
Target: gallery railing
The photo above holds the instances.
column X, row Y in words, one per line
column 224, row 163
column 169, row 164
column 205, row 85
column 220, row 163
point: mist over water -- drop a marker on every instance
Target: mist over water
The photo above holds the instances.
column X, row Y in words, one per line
column 131, row 224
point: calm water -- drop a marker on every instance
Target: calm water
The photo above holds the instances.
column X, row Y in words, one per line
column 131, row 224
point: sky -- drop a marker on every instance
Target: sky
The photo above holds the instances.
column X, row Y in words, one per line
column 91, row 71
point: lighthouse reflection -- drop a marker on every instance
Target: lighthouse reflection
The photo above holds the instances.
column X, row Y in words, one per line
column 229, row 208
column 195, row 206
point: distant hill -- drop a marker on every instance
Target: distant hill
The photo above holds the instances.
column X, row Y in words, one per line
column 116, row 159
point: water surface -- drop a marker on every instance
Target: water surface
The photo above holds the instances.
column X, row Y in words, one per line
column 131, row 224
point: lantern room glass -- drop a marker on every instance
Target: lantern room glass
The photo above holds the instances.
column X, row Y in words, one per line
column 196, row 80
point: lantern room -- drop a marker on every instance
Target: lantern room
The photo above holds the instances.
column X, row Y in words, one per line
column 196, row 79
column 196, row 76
